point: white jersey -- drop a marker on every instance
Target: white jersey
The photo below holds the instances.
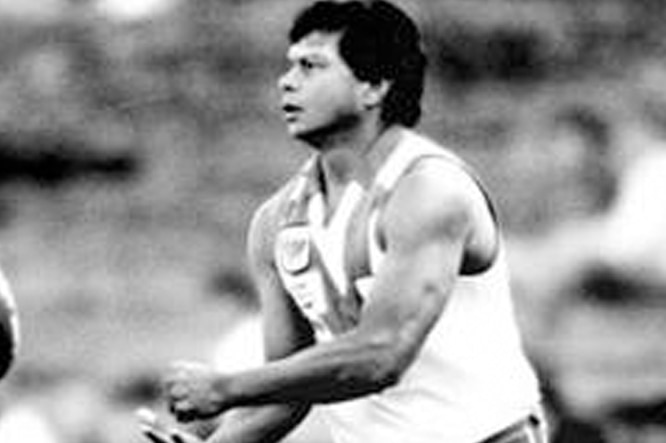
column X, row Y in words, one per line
column 470, row 379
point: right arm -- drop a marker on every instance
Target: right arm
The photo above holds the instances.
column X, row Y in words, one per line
column 285, row 332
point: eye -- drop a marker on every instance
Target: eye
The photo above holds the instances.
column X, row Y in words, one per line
column 308, row 65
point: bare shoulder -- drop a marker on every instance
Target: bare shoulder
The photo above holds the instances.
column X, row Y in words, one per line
column 441, row 176
column 438, row 188
column 439, row 197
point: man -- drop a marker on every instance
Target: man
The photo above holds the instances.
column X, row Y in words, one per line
column 380, row 268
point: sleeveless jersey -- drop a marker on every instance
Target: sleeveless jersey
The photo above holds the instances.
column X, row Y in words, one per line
column 470, row 379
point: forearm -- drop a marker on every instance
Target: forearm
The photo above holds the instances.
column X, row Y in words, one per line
column 264, row 424
column 334, row 371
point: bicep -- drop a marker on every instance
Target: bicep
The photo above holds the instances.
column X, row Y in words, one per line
column 426, row 232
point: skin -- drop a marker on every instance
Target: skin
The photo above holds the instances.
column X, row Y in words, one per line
column 435, row 221
column 324, row 104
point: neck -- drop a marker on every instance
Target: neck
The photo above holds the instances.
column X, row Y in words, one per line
column 353, row 155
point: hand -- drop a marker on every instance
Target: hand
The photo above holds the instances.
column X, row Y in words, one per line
column 159, row 432
column 193, row 391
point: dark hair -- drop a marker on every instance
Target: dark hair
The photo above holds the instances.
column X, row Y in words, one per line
column 378, row 42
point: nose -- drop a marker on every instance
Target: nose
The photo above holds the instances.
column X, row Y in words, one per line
column 286, row 82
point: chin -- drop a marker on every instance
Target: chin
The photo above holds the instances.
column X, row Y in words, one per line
column 301, row 136
column 297, row 129
column 313, row 137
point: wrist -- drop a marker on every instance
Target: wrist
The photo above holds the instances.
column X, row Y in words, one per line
column 225, row 395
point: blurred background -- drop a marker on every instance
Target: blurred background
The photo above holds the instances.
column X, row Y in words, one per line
column 138, row 136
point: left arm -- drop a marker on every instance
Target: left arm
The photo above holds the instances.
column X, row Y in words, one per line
column 427, row 225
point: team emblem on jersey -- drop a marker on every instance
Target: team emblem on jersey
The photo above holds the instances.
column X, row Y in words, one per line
column 293, row 248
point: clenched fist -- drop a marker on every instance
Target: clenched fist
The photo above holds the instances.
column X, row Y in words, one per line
column 194, row 391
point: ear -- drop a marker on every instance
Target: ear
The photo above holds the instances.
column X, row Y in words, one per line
column 373, row 94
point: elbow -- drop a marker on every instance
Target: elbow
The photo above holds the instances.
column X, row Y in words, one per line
column 381, row 376
column 390, row 367
column 383, row 364
column 388, row 377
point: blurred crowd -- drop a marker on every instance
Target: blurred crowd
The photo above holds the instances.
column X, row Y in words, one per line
column 580, row 181
column 592, row 284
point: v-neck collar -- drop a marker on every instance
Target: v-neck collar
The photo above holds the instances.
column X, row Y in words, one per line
column 375, row 156
column 329, row 227
column 330, row 235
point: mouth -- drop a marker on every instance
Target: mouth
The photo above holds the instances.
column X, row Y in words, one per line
column 291, row 110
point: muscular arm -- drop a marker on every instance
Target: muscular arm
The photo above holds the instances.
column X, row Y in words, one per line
column 285, row 332
column 427, row 225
